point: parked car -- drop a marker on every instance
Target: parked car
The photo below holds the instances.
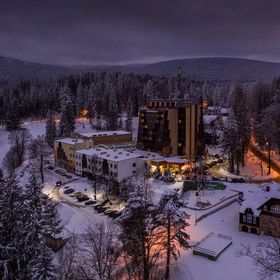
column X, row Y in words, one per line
column 115, row 214
column 102, row 209
column 82, row 197
column 238, row 180
column 68, row 176
column 69, row 191
column 89, row 202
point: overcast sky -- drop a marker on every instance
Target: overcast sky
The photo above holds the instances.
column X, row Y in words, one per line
column 127, row 31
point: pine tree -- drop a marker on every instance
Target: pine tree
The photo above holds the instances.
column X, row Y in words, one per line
column 67, row 120
column 12, row 253
column 239, row 106
column 139, row 235
column 90, row 102
column 230, row 139
column 112, row 118
column 80, row 105
column 129, row 113
column 120, row 124
column 41, row 267
column 12, row 115
column 42, row 220
column 173, row 221
column 51, row 131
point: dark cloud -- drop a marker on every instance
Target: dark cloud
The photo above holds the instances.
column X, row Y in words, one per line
column 120, row 31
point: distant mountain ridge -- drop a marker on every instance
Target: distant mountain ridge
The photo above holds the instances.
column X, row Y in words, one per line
column 12, row 69
column 208, row 68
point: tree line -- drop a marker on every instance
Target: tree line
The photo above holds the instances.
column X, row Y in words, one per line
column 104, row 94
column 254, row 116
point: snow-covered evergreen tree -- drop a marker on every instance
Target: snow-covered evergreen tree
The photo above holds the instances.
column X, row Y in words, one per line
column 90, row 102
column 67, row 120
column 51, row 131
column 112, row 118
column 41, row 267
column 138, row 234
column 13, row 260
column 80, row 104
column 42, row 220
column 27, row 216
column 173, row 222
column 230, row 140
column 129, row 113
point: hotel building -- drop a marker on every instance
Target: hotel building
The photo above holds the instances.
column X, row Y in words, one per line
column 171, row 128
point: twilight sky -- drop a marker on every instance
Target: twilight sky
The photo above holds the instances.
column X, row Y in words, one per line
column 127, row 31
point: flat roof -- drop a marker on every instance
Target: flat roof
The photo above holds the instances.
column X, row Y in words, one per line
column 103, row 133
column 213, row 244
column 146, row 154
column 70, row 140
column 109, row 154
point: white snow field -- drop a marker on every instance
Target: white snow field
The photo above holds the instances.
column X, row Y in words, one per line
column 228, row 266
column 76, row 217
column 35, row 127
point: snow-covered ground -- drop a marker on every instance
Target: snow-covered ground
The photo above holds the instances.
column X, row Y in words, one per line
column 76, row 217
column 35, row 127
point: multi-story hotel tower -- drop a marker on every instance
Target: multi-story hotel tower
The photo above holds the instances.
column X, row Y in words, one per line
column 172, row 128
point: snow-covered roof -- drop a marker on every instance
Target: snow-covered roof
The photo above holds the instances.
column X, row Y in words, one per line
column 225, row 110
column 146, row 154
column 69, row 140
column 104, row 133
column 109, row 154
column 261, row 196
column 207, row 119
column 175, row 160
column 211, row 108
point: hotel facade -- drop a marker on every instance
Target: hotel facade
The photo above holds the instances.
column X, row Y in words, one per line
column 171, row 128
